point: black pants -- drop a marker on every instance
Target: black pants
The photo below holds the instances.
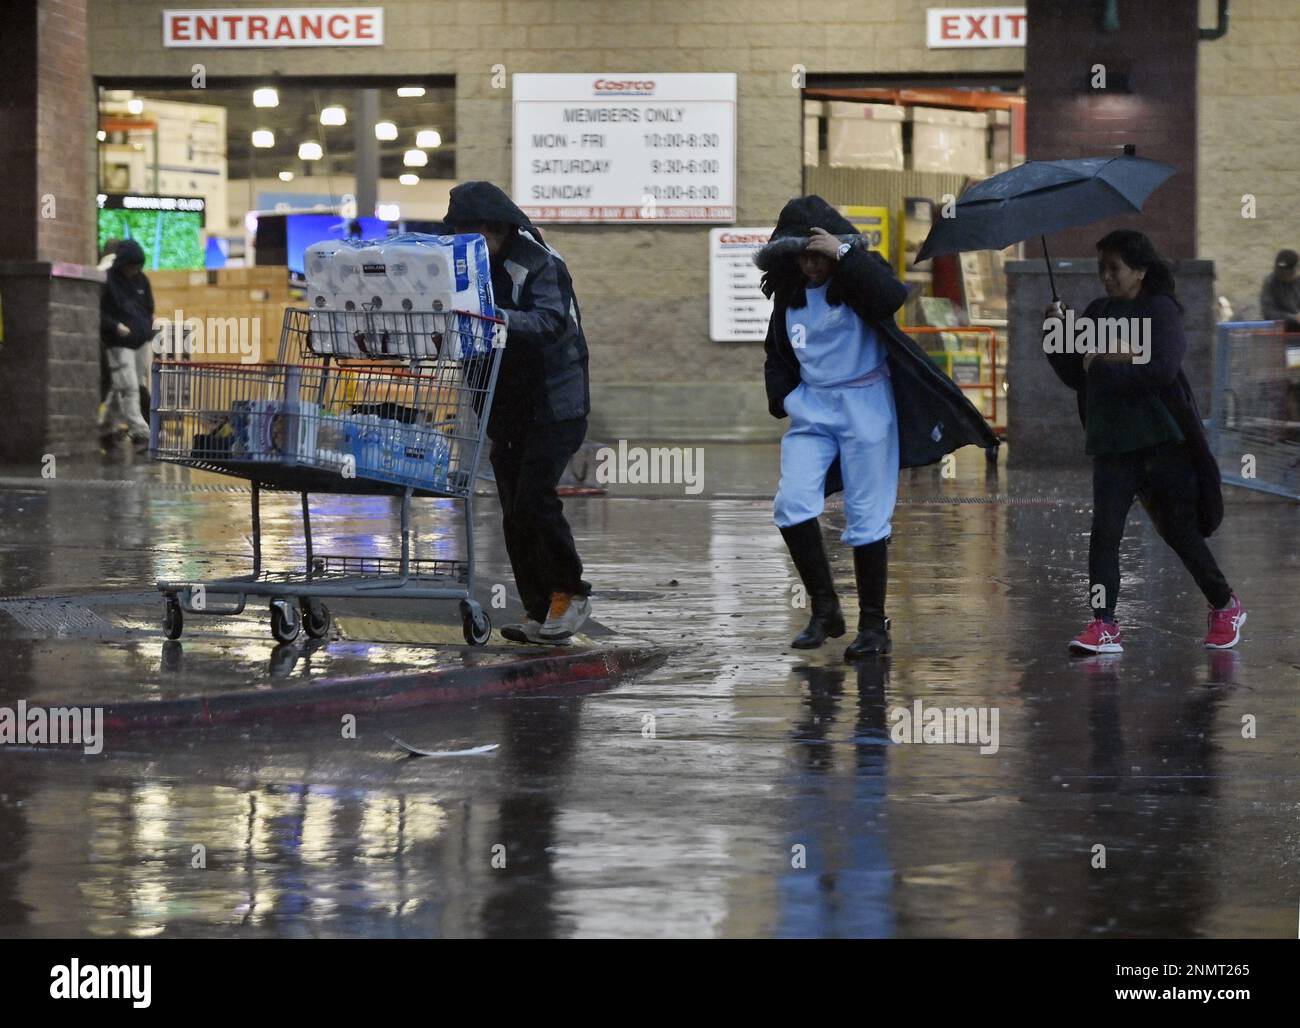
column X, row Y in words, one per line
column 1164, row 477
column 542, row 553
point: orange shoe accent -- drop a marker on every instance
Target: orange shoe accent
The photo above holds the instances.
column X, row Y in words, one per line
column 559, row 605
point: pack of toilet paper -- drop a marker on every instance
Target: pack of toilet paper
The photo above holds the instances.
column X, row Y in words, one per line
column 385, row 285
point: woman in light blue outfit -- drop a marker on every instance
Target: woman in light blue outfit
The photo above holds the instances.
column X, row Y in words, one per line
column 863, row 401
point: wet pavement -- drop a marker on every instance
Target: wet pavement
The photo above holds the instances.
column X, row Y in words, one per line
column 740, row 789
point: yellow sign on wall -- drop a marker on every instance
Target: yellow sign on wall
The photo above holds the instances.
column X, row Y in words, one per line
column 872, row 222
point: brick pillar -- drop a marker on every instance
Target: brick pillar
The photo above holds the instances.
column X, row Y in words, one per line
column 49, row 357
column 1150, row 101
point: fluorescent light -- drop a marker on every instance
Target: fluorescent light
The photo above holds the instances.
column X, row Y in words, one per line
column 334, row 116
column 266, row 97
column 286, row 176
column 428, row 139
column 135, row 106
column 408, row 179
column 410, row 91
column 263, row 138
column 385, row 130
column 309, row 152
column 388, row 212
column 101, row 135
column 415, row 158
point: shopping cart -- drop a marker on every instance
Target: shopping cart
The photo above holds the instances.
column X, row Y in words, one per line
column 360, row 403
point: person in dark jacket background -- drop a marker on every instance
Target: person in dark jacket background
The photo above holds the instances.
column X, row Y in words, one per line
column 539, row 413
column 125, row 330
column 863, row 401
column 1146, row 439
column 1279, row 297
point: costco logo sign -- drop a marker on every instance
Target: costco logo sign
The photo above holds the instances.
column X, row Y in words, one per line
column 275, row 26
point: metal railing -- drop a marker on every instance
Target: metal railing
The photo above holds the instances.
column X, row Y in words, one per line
column 1255, row 407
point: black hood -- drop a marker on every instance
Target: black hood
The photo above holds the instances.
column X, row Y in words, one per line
column 794, row 228
column 472, row 203
column 128, row 251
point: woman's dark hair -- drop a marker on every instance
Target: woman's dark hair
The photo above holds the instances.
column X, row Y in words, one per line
column 1139, row 253
column 786, row 284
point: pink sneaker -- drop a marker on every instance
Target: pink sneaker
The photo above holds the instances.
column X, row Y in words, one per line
column 1225, row 625
column 1099, row 637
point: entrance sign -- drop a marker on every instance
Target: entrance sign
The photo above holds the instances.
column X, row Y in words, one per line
column 274, row 26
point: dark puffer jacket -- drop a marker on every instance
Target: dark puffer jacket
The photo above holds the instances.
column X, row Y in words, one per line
column 126, row 301
column 543, row 376
column 934, row 416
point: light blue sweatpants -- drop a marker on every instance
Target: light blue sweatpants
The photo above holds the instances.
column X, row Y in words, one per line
column 859, row 424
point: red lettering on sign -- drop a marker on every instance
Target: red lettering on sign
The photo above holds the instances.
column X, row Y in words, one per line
column 284, row 28
column 181, row 27
column 311, row 26
column 232, row 20
column 337, row 33
column 948, row 26
column 257, row 27
column 206, row 28
column 975, row 21
column 1017, row 25
column 364, row 27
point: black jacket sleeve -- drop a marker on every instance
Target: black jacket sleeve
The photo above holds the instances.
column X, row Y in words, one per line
column 776, row 372
column 540, row 320
column 869, row 283
column 1168, row 345
column 1069, row 366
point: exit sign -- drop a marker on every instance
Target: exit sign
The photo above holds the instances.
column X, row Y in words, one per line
column 947, row 27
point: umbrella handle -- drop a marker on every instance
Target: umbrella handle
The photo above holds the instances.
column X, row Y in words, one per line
column 1050, row 277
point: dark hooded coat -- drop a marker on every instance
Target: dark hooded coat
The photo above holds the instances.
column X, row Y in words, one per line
column 1162, row 376
column 543, row 376
column 126, row 301
column 934, row 416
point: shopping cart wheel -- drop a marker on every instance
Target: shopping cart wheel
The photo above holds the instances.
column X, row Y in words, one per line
column 475, row 623
column 285, row 623
column 173, row 617
column 316, row 618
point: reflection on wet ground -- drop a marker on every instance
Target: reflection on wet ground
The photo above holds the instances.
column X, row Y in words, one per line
column 741, row 789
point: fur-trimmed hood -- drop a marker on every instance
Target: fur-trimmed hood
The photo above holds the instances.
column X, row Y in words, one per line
column 794, row 228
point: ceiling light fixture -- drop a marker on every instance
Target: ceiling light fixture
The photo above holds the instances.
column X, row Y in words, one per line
column 286, row 176
column 263, row 138
column 415, row 158
column 309, row 152
column 334, row 116
column 410, row 91
column 266, row 97
column 385, row 130
column 408, row 179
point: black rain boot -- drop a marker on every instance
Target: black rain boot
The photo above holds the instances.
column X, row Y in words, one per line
column 805, row 544
column 871, row 567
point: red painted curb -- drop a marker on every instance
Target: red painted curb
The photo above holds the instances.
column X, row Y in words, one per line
column 375, row 693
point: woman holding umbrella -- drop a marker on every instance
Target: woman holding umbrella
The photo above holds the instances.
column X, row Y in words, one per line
column 862, row 399
column 1145, row 437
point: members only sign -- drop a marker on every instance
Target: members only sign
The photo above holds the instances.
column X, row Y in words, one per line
column 275, row 26
column 626, row 147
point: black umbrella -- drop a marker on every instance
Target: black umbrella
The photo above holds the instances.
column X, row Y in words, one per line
column 1039, row 197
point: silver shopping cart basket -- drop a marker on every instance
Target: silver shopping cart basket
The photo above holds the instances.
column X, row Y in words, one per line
column 359, row 403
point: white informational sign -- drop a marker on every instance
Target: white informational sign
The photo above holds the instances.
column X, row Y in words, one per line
column 625, row 148
column 738, row 310
column 974, row 26
column 275, row 26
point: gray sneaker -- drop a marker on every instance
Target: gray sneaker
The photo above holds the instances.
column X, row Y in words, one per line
column 568, row 613
column 529, row 631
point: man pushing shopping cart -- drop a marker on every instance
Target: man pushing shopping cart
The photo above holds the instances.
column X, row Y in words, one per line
column 538, row 418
